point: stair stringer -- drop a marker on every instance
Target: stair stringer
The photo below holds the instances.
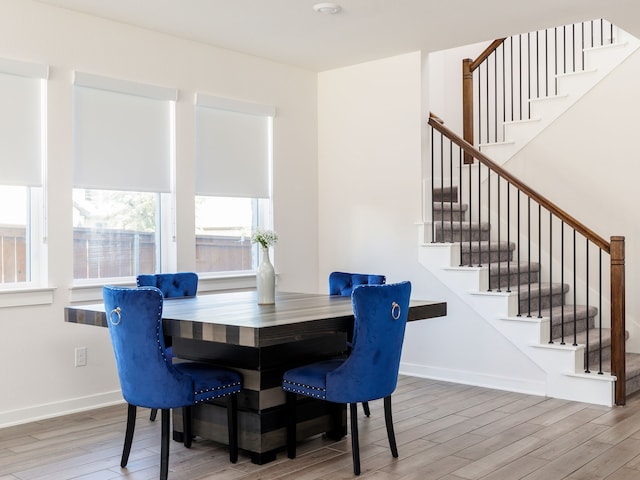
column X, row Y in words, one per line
column 599, row 62
column 563, row 365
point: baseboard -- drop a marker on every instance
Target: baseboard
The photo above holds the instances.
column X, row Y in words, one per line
column 56, row 409
column 519, row 385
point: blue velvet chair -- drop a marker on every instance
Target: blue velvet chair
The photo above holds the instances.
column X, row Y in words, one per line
column 149, row 379
column 343, row 283
column 368, row 373
column 172, row 285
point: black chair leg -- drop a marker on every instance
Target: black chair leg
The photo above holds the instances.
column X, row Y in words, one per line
column 152, row 415
column 164, row 443
column 388, row 420
column 355, row 444
column 128, row 436
column 186, row 426
column 232, row 421
column 365, row 407
column 291, row 425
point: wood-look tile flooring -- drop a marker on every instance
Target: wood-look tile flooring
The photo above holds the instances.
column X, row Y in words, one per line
column 444, row 431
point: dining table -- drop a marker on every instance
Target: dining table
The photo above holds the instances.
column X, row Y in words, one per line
column 261, row 342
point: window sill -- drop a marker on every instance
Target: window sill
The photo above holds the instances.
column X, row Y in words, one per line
column 92, row 292
column 26, row 296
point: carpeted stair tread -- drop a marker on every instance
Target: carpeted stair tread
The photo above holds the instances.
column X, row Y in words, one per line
column 445, row 206
column 487, row 246
column 581, row 311
column 445, row 194
column 544, row 288
column 512, row 267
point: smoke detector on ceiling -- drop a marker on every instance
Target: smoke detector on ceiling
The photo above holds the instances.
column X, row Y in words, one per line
column 327, row 8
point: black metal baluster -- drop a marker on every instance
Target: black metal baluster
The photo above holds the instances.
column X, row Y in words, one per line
column 489, row 223
column 441, row 232
column 451, row 192
column 539, row 260
column 555, row 61
column 537, row 65
column 592, row 33
column 460, row 182
column 518, row 255
column 508, row 237
column 511, row 82
column 573, row 45
column 575, row 290
column 564, row 48
column 582, row 49
column 486, row 69
column 546, row 60
column 504, row 88
column 433, row 187
column 520, row 79
column 470, row 215
column 499, row 288
column 586, row 320
column 479, row 217
column 550, row 275
column 479, row 76
column 528, row 256
column 562, row 342
column 529, row 75
column 600, row 311
column 495, row 95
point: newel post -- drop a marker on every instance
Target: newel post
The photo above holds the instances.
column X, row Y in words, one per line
column 467, row 105
column 618, row 336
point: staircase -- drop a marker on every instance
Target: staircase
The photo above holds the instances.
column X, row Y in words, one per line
column 499, row 273
column 550, row 94
column 531, row 278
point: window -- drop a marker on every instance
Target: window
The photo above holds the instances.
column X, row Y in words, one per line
column 123, row 163
column 233, row 179
column 22, row 133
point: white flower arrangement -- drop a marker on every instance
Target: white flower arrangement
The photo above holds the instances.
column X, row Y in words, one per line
column 266, row 238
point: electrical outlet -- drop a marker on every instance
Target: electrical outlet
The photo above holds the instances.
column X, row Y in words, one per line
column 81, row 356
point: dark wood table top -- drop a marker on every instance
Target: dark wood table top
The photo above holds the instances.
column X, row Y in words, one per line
column 236, row 318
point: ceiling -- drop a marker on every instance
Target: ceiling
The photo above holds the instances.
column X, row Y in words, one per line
column 291, row 32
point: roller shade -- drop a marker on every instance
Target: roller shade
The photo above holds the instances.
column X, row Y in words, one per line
column 233, row 147
column 122, row 134
column 21, row 127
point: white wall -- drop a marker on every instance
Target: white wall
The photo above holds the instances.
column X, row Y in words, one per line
column 371, row 123
column 38, row 376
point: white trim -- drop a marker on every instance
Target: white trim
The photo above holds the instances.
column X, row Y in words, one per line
column 99, row 82
column 478, row 379
column 25, row 296
column 24, row 69
column 56, row 409
column 239, row 106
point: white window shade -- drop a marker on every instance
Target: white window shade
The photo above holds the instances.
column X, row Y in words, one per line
column 233, row 148
column 122, row 134
column 21, row 130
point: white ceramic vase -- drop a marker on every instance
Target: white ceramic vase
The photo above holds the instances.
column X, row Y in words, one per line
column 266, row 280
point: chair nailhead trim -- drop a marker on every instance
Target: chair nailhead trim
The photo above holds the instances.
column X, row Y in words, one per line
column 291, row 387
column 224, row 394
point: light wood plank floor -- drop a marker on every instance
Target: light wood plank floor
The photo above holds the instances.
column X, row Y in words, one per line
column 444, row 431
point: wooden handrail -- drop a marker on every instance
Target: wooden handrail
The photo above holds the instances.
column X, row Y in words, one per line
column 471, row 151
column 487, row 51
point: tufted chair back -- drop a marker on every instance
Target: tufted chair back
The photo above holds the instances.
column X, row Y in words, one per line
column 371, row 370
column 147, row 377
column 172, row 285
column 343, row 283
